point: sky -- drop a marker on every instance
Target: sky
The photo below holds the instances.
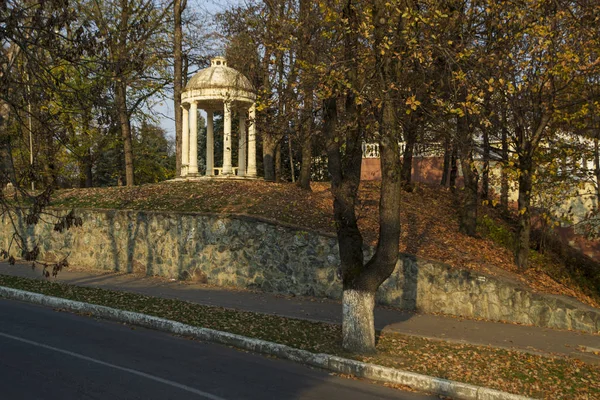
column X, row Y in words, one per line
column 163, row 109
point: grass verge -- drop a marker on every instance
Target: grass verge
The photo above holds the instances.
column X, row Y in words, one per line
column 511, row 371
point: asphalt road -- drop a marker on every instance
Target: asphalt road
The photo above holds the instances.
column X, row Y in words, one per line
column 48, row 354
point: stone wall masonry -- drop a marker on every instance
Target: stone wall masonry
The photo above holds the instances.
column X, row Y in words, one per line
column 254, row 253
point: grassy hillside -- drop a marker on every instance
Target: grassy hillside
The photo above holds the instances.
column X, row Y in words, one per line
column 429, row 223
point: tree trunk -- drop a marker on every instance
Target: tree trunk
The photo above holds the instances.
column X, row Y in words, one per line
column 306, row 134
column 453, row 167
column 305, row 167
column 266, row 120
column 305, row 54
column 504, row 175
column 446, row 168
column 526, row 146
column 86, row 166
column 468, row 212
column 360, row 281
column 524, row 216
column 485, row 173
column 345, row 178
column 89, row 166
column 120, row 53
column 597, row 171
column 184, row 74
column 49, row 147
column 269, row 147
column 291, row 156
column 6, row 158
column 8, row 168
column 178, row 7
column 406, row 171
column 360, row 285
column 121, row 100
column 278, row 162
column 82, row 177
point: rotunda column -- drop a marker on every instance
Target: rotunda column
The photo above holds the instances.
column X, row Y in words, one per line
column 251, row 172
column 193, row 168
column 242, row 143
column 185, row 139
column 210, row 143
column 227, row 168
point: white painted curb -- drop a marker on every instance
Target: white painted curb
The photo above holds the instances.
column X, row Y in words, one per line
column 420, row 382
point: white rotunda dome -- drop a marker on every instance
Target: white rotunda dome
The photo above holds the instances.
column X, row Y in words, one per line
column 219, row 82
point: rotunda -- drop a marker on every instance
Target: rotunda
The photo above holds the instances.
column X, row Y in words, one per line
column 217, row 88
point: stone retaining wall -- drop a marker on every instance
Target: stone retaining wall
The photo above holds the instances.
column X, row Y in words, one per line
column 251, row 253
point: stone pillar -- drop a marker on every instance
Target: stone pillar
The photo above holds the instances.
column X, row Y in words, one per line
column 185, row 139
column 210, row 143
column 251, row 172
column 242, row 143
column 193, row 168
column 227, row 168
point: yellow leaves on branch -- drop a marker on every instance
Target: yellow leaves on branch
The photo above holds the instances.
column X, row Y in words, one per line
column 458, row 111
column 522, row 210
column 490, row 83
column 413, row 103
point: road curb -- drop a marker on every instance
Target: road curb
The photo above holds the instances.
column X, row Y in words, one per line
column 332, row 363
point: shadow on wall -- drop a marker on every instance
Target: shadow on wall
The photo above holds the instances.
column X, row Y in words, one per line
column 125, row 259
column 110, row 216
column 402, row 288
column 140, row 233
column 27, row 233
column 182, row 273
column 132, row 234
column 145, row 252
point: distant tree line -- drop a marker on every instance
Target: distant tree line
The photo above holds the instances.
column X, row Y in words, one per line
column 79, row 82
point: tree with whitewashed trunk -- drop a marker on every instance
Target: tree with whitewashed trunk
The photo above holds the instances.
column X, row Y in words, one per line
column 346, row 120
